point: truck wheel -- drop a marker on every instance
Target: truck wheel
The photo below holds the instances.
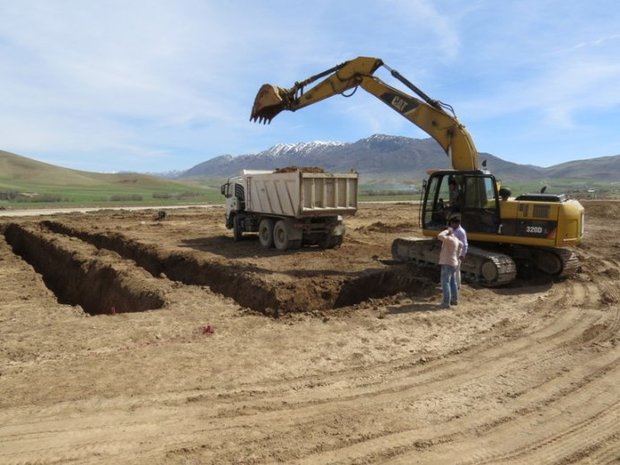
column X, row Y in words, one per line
column 237, row 231
column 265, row 233
column 331, row 242
column 281, row 236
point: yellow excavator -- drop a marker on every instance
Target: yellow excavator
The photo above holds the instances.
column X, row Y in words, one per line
column 506, row 234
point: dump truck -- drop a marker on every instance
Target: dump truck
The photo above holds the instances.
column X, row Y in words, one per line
column 290, row 207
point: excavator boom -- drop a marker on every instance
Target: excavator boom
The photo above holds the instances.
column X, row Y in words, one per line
column 428, row 114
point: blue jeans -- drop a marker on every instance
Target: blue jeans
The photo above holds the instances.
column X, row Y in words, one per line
column 448, row 284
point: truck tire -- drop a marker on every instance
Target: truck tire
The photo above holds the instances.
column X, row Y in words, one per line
column 237, row 231
column 281, row 236
column 331, row 242
column 265, row 233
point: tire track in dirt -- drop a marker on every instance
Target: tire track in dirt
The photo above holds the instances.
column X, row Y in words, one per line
column 400, row 370
column 574, row 339
column 298, row 421
column 403, row 378
column 436, row 441
column 243, row 421
column 378, row 448
column 374, row 375
column 548, row 441
column 552, row 443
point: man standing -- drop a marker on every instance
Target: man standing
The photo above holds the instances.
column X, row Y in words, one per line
column 461, row 235
column 449, row 259
column 455, row 193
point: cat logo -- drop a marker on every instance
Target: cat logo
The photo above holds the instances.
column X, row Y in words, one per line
column 399, row 103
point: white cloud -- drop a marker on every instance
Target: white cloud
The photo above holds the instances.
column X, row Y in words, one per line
column 429, row 24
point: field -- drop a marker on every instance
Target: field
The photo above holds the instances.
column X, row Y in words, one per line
column 128, row 339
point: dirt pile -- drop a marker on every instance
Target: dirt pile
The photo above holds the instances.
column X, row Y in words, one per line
column 303, row 169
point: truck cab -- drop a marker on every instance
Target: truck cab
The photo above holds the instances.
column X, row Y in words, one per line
column 234, row 194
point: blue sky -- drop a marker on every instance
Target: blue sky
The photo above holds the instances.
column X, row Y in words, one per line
column 154, row 85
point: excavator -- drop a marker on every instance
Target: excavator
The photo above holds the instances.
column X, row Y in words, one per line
column 506, row 234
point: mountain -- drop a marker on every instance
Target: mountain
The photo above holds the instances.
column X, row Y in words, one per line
column 23, row 178
column 602, row 169
column 19, row 170
column 384, row 156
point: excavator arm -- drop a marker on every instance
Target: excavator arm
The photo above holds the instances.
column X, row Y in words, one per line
column 432, row 116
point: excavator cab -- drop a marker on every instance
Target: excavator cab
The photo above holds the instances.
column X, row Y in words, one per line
column 472, row 196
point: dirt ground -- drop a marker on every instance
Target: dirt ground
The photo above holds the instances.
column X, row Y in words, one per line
column 125, row 339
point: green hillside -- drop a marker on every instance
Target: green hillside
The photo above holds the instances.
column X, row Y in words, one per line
column 25, row 182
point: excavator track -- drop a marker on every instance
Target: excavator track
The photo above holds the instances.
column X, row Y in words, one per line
column 484, row 267
column 571, row 263
column 561, row 263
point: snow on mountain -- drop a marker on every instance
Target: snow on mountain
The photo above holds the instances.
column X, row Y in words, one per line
column 299, row 149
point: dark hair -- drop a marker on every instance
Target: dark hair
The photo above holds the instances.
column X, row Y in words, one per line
column 454, row 219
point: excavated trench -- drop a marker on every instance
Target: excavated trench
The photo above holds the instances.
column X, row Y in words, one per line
column 382, row 283
column 78, row 275
column 243, row 283
column 240, row 283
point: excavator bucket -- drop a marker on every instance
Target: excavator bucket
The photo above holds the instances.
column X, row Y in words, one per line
column 270, row 100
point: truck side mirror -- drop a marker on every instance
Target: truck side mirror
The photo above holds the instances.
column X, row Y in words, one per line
column 223, row 189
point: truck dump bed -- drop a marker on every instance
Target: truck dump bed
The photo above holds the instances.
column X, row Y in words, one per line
column 301, row 194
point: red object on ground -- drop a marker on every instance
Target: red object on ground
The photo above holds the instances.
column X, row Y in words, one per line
column 208, row 329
